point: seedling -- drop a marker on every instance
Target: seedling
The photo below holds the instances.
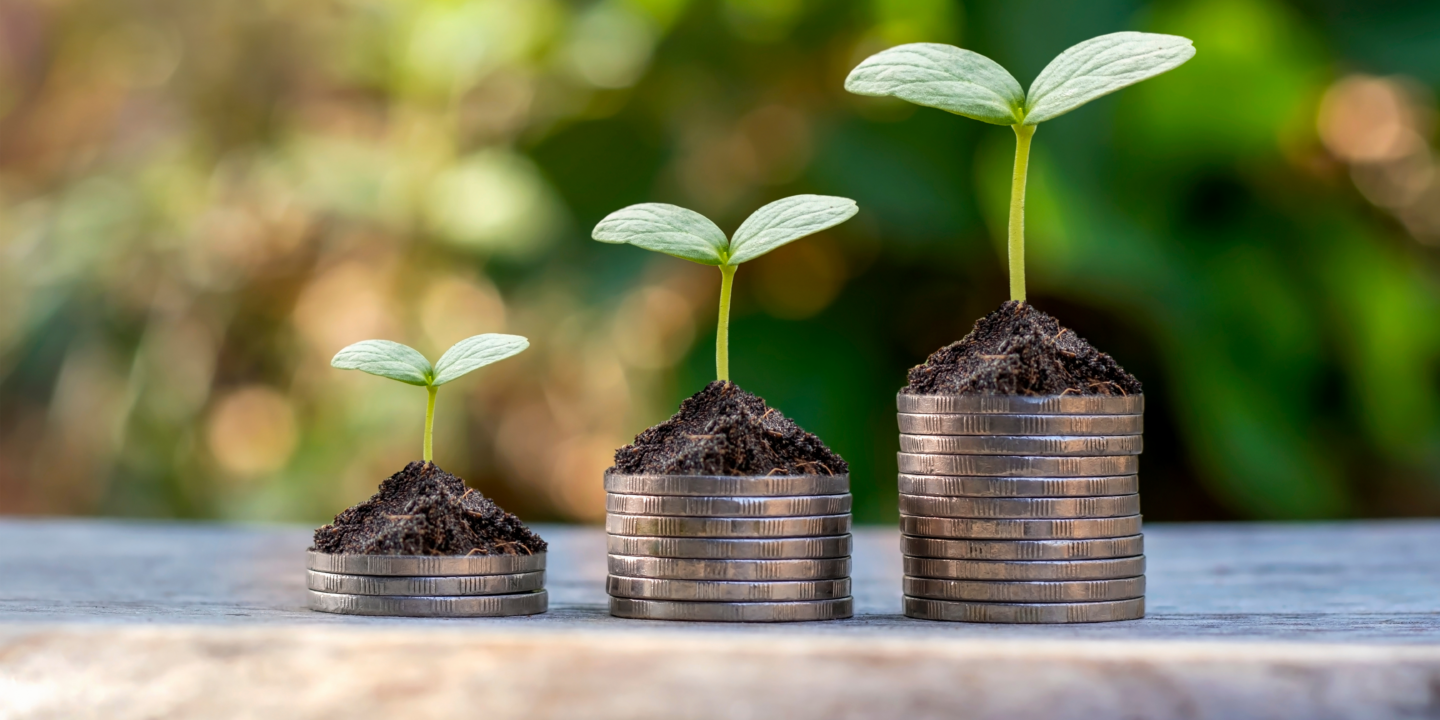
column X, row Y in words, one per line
column 404, row 363
column 673, row 230
column 969, row 84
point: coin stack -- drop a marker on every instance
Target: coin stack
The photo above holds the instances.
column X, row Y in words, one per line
column 1021, row 509
column 427, row 586
column 729, row 548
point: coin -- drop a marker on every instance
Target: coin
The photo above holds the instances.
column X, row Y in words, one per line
column 956, row 611
column 835, row 546
column 733, row 612
column 1021, row 404
column 425, row 586
column 982, row 424
column 696, row 506
column 969, row 507
column 762, row 570
column 424, row 565
column 1017, row 465
column 662, row 526
column 728, row 485
column 722, row 591
column 1025, row 592
column 1022, row 549
column 1025, row 569
column 976, row 486
column 532, row 603
column 1042, row 446
column 977, row 529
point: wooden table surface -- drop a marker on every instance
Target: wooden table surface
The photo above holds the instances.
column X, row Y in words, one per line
column 119, row 619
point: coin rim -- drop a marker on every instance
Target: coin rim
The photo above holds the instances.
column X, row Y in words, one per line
column 785, row 570
column 848, row 503
column 846, row 542
column 423, row 565
column 906, row 547
column 1017, row 466
column 524, row 604
column 987, row 424
column 1022, row 440
column 1013, row 487
column 727, row 485
column 952, row 568
column 910, row 611
column 823, row 523
column 1019, row 522
column 528, row 581
column 908, row 583
column 1020, row 404
column 844, row 609
column 653, row 588
column 1080, row 513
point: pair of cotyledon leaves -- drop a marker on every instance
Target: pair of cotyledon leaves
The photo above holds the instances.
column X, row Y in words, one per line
column 673, row 230
column 404, row 363
column 970, row 84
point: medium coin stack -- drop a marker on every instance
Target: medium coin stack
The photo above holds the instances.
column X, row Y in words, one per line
column 427, row 586
column 729, row 548
column 1021, row 509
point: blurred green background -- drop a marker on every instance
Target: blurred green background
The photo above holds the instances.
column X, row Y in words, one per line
column 202, row 200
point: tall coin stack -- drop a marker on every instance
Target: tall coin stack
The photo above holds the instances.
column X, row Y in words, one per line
column 1021, row 509
column 729, row 548
column 427, row 585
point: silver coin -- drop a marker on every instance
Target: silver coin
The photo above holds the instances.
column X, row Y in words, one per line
column 1022, row 549
column 1025, row 569
column 424, row 565
column 532, row 603
column 761, row 570
column 983, row 424
column 1040, row 446
column 1025, row 592
column 662, row 526
column 728, row 485
column 1020, row 404
column 1041, row 613
column 722, row 591
column 969, row 507
column 674, row 505
column 1017, row 465
column 979, row 529
column 835, row 546
column 425, row 586
column 976, row 486
column 733, row 612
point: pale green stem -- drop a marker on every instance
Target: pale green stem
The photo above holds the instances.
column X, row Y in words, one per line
column 1023, row 134
column 430, row 424
column 722, row 330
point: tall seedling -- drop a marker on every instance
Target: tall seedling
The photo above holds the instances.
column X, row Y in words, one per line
column 673, row 230
column 406, row 364
column 969, row 84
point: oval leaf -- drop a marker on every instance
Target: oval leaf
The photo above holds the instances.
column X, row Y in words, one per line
column 476, row 352
column 785, row 220
column 942, row 76
column 1100, row 66
column 669, row 229
column 386, row 359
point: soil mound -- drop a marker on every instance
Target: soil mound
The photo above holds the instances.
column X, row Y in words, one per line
column 423, row 510
column 723, row 430
column 1018, row 350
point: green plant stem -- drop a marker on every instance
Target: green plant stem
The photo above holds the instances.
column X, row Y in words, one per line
column 1023, row 133
column 430, row 424
column 722, row 329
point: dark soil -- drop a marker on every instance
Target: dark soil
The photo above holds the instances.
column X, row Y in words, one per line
column 723, row 430
column 423, row 510
column 1018, row 350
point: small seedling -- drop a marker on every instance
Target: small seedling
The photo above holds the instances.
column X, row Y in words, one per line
column 673, row 230
column 969, row 84
column 404, row 363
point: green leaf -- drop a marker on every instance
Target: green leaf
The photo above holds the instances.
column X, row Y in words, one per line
column 1100, row 66
column 665, row 228
column 386, row 359
column 785, row 220
column 942, row 76
column 476, row 352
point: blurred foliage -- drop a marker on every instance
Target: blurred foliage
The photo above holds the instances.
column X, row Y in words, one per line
column 200, row 202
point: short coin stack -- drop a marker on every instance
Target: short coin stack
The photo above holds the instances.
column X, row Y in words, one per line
column 729, row 548
column 1021, row 509
column 427, row 586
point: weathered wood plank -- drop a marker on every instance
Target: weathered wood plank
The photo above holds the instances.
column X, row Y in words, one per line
column 119, row 620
